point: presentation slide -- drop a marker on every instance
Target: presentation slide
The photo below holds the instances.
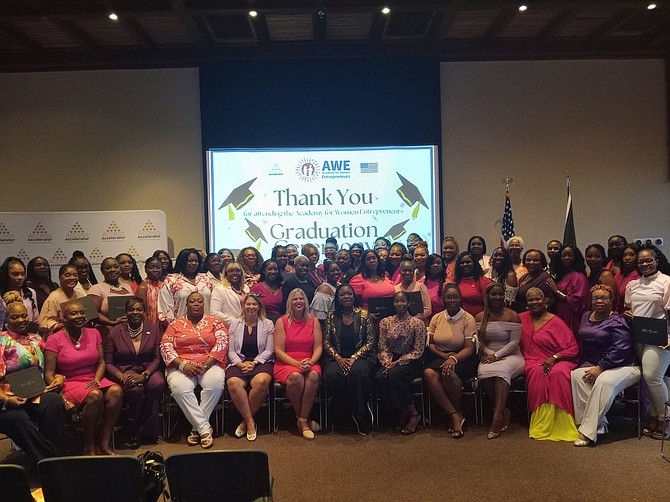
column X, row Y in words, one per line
column 264, row 197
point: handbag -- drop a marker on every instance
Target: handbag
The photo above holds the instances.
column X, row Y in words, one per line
column 153, row 475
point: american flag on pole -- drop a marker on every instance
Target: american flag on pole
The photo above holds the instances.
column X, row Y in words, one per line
column 508, row 220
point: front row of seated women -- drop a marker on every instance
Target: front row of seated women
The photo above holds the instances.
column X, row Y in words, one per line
column 568, row 399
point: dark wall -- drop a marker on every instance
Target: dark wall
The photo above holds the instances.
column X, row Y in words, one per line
column 321, row 102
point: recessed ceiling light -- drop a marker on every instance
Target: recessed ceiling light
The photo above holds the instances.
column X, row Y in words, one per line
column 651, row 6
column 386, row 10
column 113, row 16
column 253, row 13
column 523, row 8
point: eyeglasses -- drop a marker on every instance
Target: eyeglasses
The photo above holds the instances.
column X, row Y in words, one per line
column 648, row 261
column 600, row 298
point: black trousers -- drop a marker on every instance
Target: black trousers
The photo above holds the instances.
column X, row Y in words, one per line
column 395, row 386
column 352, row 391
column 38, row 429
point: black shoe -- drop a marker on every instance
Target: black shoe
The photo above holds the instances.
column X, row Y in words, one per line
column 363, row 426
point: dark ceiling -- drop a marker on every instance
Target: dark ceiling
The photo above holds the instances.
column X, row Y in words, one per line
column 77, row 34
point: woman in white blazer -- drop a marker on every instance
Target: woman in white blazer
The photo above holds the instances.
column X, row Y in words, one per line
column 250, row 362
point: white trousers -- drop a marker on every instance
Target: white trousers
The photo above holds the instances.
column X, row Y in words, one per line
column 183, row 387
column 593, row 400
column 655, row 362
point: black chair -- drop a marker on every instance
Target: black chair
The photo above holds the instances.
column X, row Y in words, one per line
column 83, row 479
column 419, row 395
column 241, row 476
column 277, row 394
column 14, row 483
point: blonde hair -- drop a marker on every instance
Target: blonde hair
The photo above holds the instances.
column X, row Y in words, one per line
column 289, row 308
column 257, row 298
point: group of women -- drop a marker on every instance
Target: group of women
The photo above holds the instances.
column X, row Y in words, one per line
column 383, row 316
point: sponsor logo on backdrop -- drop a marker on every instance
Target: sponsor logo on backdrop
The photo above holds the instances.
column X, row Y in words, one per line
column 5, row 235
column 95, row 257
column 276, row 170
column 369, row 167
column 59, row 258
column 39, row 234
column 23, row 255
column 113, row 233
column 336, row 169
column 308, row 169
column 132, row 251
column 149, row 231
column 76, row 234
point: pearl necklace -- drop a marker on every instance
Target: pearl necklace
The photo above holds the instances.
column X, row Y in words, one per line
column 134, row 333
column 77, row 342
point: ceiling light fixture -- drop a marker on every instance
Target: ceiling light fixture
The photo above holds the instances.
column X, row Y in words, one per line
column 253, row 13
column 113, row 16
column 523, row 8
column 651, row 6
column 386, row 10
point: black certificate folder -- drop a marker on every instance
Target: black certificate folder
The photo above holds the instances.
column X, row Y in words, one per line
column 26, row 383
column 650, row 331
column 382, row 306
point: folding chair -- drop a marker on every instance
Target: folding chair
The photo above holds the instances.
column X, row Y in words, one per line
column 83, row 479
column 278, row 392
column 14, row 483
column 241, row 476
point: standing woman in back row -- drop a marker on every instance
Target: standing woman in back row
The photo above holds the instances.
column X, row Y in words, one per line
column 185, row 280
column 130, row 274
column 649, row 296
column 39, row 278
column 13, row 283
column 571, row 287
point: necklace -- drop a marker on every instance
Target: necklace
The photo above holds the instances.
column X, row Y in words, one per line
column 77, row 342
column 236, row 289
column 134, row 333
column 118, row 288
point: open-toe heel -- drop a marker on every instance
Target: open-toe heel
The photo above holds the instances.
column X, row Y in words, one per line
column 411, row 425
column 458, row 433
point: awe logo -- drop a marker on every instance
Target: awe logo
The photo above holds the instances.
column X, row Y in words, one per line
column 336, row 165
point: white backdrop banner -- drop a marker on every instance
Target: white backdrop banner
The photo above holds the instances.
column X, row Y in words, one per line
column 98, row 234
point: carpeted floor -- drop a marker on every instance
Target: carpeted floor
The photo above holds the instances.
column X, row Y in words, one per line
column 431, row 466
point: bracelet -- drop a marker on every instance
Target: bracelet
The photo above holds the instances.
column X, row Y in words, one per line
column 555, row 357
column 182, row 364
column 146, row 375
column 561, row 295
column 97, row 383
column 495, row 355
column 452, row 357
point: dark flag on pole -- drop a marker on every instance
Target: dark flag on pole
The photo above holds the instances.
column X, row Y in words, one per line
column 569, row 236
column 508, row 220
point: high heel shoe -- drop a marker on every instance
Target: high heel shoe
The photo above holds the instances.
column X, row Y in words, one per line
column 411, row 425
column 494, row 432
column 458, row 433
column 306, row 432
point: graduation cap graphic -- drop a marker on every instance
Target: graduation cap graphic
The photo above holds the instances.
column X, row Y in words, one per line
column 255, row 234
column 238, row 198
column 410, row 195
column 396, row 231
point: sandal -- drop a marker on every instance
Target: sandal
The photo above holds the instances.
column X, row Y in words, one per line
column 251, row 436
column 662, row 430
column 651, row 427
column 206, row 439
column 404, row 416
column 494, row 432
column 193, row 438
column 411, row 425
column 458, row 433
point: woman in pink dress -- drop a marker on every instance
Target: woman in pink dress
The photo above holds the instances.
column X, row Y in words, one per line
column 269, row 289
column 469, row 277
column 371, row 282
column 111, row 286
column 450, row 252
column 551, row 353
column 76, row 352
column 572, row 291
column 298, row 348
